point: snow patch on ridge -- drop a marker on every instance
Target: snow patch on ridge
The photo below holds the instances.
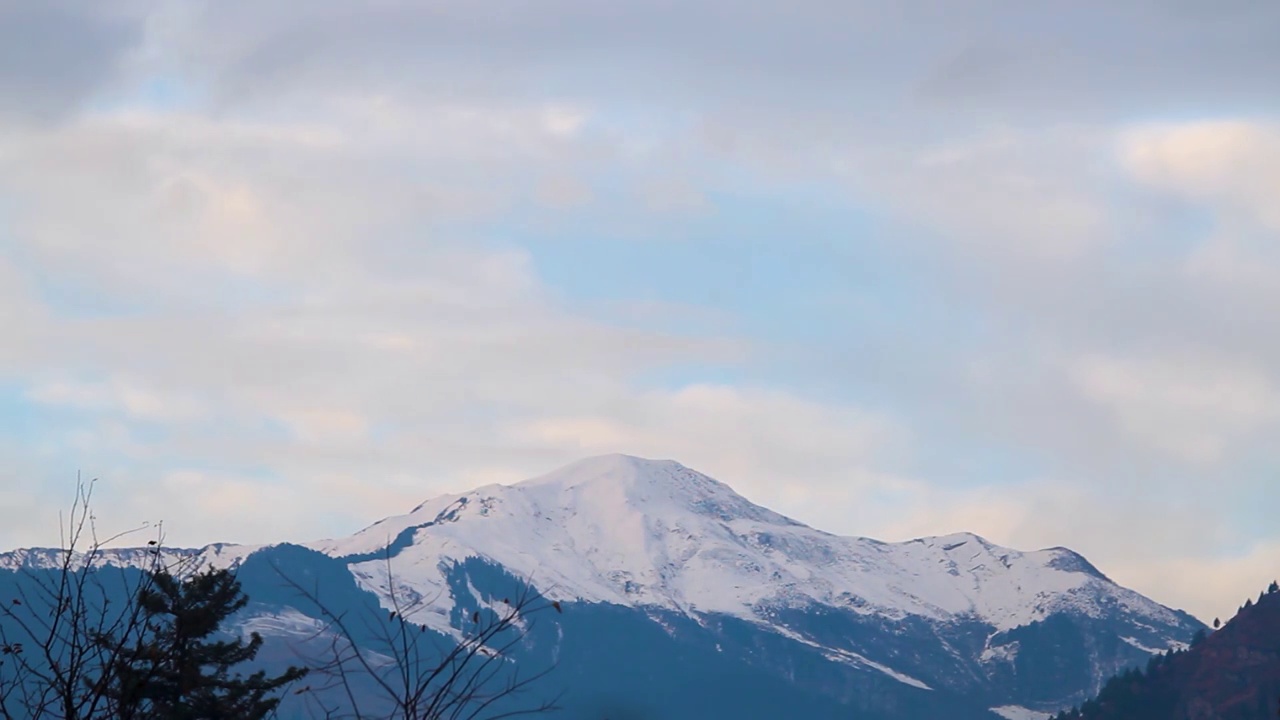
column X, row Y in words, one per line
column 1135, row 642
column 285, row 622
column 1017, row 712
column 849, row 657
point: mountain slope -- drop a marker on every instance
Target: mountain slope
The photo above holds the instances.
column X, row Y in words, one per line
column 657, row 536
column 638, row 532
column 694, row 586
column 1233, row 674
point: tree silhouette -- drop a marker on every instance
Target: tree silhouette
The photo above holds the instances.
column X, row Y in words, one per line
column 144, row 638
column 179, row 670
column 84, row 640
column 64, row 629
column 1196, row 682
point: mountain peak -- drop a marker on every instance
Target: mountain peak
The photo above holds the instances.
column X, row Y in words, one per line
column 614, row 467
column 954, row 540
column 648, row 486
column 1068, row 560
column 643, row 532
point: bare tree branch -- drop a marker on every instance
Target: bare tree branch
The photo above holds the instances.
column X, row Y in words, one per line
column 66, row 630
column 421, row 679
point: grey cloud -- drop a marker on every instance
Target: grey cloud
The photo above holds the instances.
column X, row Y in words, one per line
column 55, row 55
column 878, row 65
column 869, row 61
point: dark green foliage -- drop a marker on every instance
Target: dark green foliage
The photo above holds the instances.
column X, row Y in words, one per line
column 180, row 669
column 1210, row 676
column 1124, row 695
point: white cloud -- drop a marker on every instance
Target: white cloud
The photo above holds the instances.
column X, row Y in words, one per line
column 123, row 396
column 281, row 287
column 563, row 192
column 1192, row 407
column 813, row 460
column 278, row 296
column 1207, row 584
column 317, row 426
column 153, row 195
column 1162, row 543
column 1026, row 194
column 1232, row 164
column 199, row 503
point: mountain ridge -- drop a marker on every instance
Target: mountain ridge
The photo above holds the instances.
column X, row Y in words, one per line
column 1231, row 674
column 648, row 523
column 614, row 485
column 682, row 560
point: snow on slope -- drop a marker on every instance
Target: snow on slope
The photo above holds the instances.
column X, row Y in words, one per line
column 638, row 532
column 1015, row 712
column 219, row 554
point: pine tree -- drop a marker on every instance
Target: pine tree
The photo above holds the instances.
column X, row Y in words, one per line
column 180, row 670
column 1198, row 637
column 1273, row 588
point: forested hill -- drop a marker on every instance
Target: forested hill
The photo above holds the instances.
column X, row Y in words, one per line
column 1233, row 674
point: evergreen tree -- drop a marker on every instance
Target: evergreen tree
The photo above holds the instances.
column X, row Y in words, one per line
column 1274, row 587
column 180, row 670
column 1198, row 637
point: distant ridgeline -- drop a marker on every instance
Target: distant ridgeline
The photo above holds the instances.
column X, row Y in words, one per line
column 677, row 598
column 1232, row 674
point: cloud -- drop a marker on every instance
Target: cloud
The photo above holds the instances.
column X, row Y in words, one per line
column 54, row 56
column 815, row 55
column 117, row 396
column 810, row 459
column 1159, row 542
column 1193, row 408
column 160, row 196
column 299, row 257
column 290, row 304
column 1232, row 164
column 1009, row 195
column 1232, row 168
column 21, row 312
column 1209, row 585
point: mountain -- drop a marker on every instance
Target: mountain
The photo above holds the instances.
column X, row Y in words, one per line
column 670, row 581
column 1233, row 674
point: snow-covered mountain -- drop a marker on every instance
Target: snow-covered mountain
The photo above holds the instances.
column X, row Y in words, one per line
column 684, row 566
column 654, row 533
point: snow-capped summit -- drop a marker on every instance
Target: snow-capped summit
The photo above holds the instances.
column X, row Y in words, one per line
column 654, row 533
column 613, row 468
column 634, row 484
column 649, row 556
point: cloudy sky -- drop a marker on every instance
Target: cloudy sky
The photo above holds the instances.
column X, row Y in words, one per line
column 273, row 270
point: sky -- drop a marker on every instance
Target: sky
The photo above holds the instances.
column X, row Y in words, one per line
column 274, row 270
